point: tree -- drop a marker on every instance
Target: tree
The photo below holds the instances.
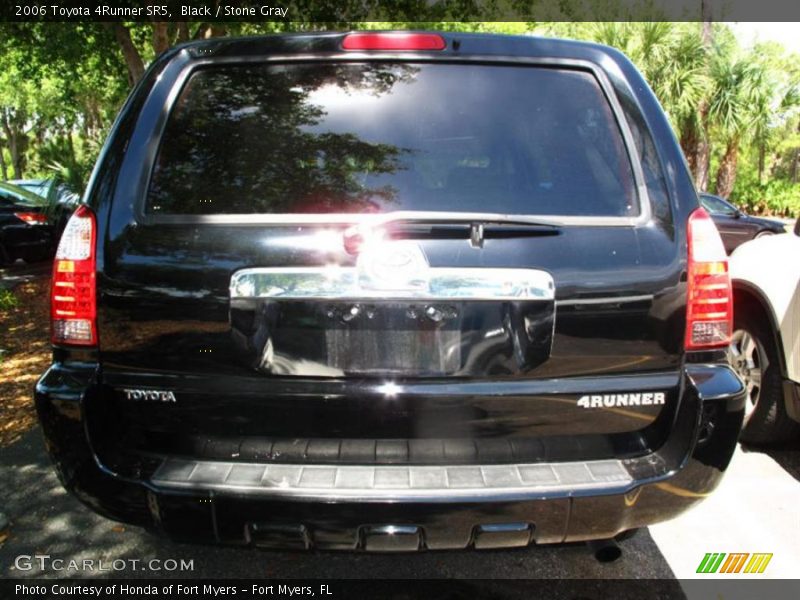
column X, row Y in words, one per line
column 55, row 80
column 737, row 82
column 701, row 153
column 775, row 99
column 133, row 60
column 61, row 84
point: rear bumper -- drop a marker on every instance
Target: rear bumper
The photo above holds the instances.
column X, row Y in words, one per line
column 402, row 507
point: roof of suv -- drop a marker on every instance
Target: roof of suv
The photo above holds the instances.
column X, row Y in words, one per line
column 458, row 43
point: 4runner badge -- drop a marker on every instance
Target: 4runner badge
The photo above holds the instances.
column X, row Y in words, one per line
column 149, row 395
column 616, row 400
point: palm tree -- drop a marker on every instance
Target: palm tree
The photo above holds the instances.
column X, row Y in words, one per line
column 775, row 98
column 673, row 57
column 762, row 107
column 680, row 80
column 738, row 86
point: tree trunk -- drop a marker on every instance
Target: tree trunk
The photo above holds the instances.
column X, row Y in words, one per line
column 71, row 145
column 703, row 152
column 3, row 166
column 160, row 36
column 694, row 138
column 726, row 175
column 217, row 30
column 17, row 141
column 796, row 161
column 762, row 159
column 689, row 144
column 698, row 143
column 209, row 30
column 703, row 149
column 16, row 146
column 696, row 148
column 38, row 134
column 183, row 32
column 133, row 59
column 706, row 14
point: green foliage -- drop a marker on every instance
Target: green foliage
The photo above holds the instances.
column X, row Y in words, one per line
column 69, row 160
column 8, row 300
column 752, row 100
column 773, row 197
column 61, row 84
column 57, row 80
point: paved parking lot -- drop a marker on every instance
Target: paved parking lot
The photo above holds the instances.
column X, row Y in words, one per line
column 20, row 272
column 754, row 510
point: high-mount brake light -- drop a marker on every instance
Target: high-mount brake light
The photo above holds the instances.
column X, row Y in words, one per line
column 709, row 302
column 393, row 41
column 73, row 295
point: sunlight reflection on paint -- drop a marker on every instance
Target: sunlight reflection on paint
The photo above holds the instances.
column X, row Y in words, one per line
column 324, row 240
column 389, row 389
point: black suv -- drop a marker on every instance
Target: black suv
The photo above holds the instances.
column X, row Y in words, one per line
column 391, row 291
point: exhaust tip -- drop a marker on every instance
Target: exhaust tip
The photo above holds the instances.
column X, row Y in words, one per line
column 605, row 551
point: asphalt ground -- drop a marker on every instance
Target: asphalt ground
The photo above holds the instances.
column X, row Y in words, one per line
column 20, row 272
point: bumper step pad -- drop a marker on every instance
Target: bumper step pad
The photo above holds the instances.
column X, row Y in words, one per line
column 408, row 483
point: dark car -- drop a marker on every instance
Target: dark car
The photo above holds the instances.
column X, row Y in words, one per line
column 61, row 201
column 735, row 226
column 25, row 229
column 40, row 187
column 391, row 291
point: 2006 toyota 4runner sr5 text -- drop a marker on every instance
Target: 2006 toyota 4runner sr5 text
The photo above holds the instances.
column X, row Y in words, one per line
column 391, row 291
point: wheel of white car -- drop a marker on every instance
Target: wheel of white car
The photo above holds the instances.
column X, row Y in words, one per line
column 753, row 355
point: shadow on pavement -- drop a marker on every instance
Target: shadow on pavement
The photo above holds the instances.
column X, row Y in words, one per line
column 786, row 455
column 46, row 520
column 20, row 272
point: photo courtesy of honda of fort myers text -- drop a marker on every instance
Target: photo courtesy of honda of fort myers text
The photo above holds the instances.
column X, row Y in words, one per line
column 365, row 299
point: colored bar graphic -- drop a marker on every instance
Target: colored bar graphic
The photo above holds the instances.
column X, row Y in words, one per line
column 734, row 562
column 717, row 562
column 740, row 564
column 758, row 563
column 702, row 567
column 712, row 562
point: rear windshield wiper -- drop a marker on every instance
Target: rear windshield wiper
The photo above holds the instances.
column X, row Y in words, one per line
column 355, row 236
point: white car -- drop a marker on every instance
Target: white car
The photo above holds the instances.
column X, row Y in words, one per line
column 765, row 350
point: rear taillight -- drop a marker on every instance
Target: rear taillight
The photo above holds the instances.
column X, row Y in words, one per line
column 73, row 300
column 32, row 218
column 709, row 303
column 393, row 41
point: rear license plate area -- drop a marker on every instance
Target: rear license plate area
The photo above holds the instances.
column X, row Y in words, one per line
column 392, row 338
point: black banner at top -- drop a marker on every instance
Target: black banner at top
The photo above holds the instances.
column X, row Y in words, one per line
column 344, row 11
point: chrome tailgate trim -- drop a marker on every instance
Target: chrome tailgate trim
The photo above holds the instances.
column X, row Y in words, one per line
column 391, row 270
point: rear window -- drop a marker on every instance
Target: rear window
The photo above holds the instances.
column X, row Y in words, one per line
column 21, row 197
column 377, row 137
